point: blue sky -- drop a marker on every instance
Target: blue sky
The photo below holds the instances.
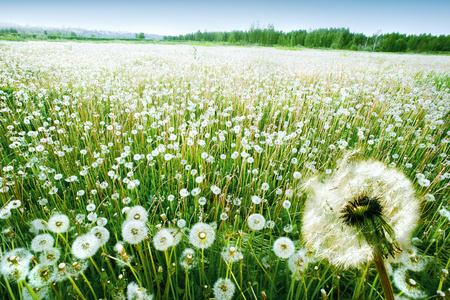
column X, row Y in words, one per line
column 179, row 17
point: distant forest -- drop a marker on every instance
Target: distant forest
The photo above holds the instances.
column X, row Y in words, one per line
column 331, row 38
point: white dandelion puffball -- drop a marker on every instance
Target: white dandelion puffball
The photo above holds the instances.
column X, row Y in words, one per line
column 42, row 242
column 58, row 223
column 361, row 195
column 134, row 232
column 101, row 233
column 297, row 263
column 85, row 246
column 202, row 235
column 283, row 247
column 137, row 213
column 256, row 221
column 15, row 264
column 163, row 239
column 223, row 289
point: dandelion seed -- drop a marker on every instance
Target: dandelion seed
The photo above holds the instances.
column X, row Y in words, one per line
column 135, row 292
column 283, row 247
column 297, row 263
column 286, row 204
column 5, row 213
column 163, row 239
column 184, row 193
column 187, row 259
column 256, row 200
column 231, row 255
column 42, row 242
column 202, row 235
column 85, row 246
column 223, row 289
column 297, row 175
column 15, row 264
column 133, row 231
column 137, row 213
column 41, row 293
column 49, row 257
column 256, row 221
column 101, row 233
column 58, row 223
column 202, row 200
column 403, row 283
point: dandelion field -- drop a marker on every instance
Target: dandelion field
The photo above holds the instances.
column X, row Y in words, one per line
column 179, row 172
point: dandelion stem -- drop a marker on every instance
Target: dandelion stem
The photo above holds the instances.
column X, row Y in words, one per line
column 384, row 277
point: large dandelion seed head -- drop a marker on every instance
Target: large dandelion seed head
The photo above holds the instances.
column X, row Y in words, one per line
column 137, row 213
column 58, row 223
column 256, row 221
column 364, row 207
column 85, row 246
column 49, row 256
column 283, row 247
column 40, row 276
column 42, row 242
column 187, row 259
column 202, row 235
column 133, row 231
column 101, row 233
column 223, row 289
column 230, row 254
column 163, row 239
column 15, row 264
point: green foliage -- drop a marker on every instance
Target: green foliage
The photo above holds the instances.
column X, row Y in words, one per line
column 330, row 38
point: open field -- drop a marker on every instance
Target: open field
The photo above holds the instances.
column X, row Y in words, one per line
column 176, row 169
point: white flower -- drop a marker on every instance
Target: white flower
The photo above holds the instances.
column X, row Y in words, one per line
column 58, row 223
column 223, row 289
column 297, row 263
column 202, row 200
column 49, row 257
column 407, row 287
column 187, row 259
column 297, row 175
column 256, row 199
column 42, row 242
column 15, row 264
column 101, row 233
column 184, row 193
column 202, row 235
column 135, row 292
column 286, row 204
column 230, row 254
column 133, row 231
column 283, row 247
column 137, row 213
column 340, row 213
column 85, row 246
column 256, row 221
column 265, row 186
column 163, row 239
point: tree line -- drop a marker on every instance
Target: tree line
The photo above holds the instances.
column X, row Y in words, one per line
column 331, row 38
